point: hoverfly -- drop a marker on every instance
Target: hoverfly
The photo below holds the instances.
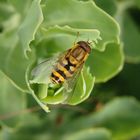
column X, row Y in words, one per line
column 71, row 62
column 65, row 68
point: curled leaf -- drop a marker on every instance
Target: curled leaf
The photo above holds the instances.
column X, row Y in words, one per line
column 29, row 26
column 81, row 15
column 90, row 35
column 55, row 94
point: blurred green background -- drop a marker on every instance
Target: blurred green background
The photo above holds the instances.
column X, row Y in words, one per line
column 112, row 112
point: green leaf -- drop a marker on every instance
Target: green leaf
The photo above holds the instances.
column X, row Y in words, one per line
column 51, row 33
column 120, row 116
column 137, row 3
column 82, row 90
column 1, row 133
column 20, row 6
column 12, row 61
column 105, row 65
column 58, row 31
column 90, row 134
column 42, row 105
column 111, row 9
column 128, row 80
column 83, row 87
column 30, row 25
column 31, row 128
column 6, row 12
column 56, row 99
column 81, row 15
column 12, row 102
column 131, row 38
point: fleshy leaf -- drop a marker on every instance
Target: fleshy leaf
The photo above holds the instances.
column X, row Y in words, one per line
column 43, row 106
column 128, row 80
column 81, row 15
column 91, row 35
column 90, row 134
column 94, row 24
column 12, row 61
column 131, row 38
column 20, row 6
column 137, row 3
column 6, row 11
column 83, row 87
column 111, row 9
column 30, row 25
column 120, row 116
column 12, row 101
column 56, row 98
column 104, row 65
column 82, row 90
column 31, row 128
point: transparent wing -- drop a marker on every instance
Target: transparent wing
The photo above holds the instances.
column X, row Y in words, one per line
column 45, row 65
column 41, row 73
column 70, row 84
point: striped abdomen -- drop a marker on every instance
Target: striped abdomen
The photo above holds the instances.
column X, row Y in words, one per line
column 69, row 64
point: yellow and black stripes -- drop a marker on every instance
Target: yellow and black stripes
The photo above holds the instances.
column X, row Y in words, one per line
column 68, row 65
column 63, row 71
column 57, row 77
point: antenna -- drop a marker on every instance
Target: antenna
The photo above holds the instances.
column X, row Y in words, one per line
column 78, row 33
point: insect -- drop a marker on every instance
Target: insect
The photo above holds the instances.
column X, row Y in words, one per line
column 71, row 62
column 65, row 68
